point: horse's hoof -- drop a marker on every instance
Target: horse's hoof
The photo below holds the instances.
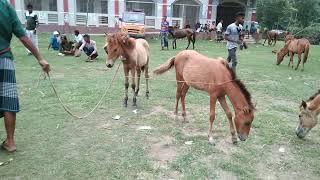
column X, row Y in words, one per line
column 125, row 105
column 211, row 142
column 185, row 121
column 134, row 102
column 234, row 140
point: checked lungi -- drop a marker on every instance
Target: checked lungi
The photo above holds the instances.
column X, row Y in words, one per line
column 9, row 101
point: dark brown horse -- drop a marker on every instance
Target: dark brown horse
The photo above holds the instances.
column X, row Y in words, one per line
column 182, row 33
column 272, row 37
column 134, row 54
column 216, row 78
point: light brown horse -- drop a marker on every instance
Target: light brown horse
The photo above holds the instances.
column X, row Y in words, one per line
column 182, row 33
column 215, row 77
column 135, row 58
column 295, row 46
column 288, row 37
column 308, row 116
column 272, row 37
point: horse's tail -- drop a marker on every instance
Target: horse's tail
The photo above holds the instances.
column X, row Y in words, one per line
column 165, row 67
column 306, row 53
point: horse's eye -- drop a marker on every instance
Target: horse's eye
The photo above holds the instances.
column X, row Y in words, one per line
column 114, row 50
column 300, row 116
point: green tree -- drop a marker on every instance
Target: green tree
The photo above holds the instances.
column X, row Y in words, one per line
column 307, row 11
column 287, row 14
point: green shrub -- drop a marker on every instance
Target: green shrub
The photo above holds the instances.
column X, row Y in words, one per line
column 312, row 33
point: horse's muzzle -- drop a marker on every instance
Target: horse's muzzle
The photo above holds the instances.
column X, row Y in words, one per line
column 302, row 132
column 109, row 65
column 242, row 137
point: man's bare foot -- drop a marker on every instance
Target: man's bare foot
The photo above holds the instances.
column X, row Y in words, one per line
column 10, row 147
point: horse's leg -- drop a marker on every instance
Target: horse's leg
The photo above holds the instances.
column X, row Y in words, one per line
column 146, row 75
column 213, row 100
column 184, row 91
column 133, row 86
column 178, row 96
column 224, row 105
column 275, row 42
column 193, row 41
column 264, row 41
column 291, row 59
column 173, row 43
column 126, row 84
column 299, row 60
column 138, row 81
column 189, row 41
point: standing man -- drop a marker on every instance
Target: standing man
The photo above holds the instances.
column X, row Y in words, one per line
column 31, row 26
column 9, row 103
column 164, row 33
column 234, row 38
column 89, row 47
column 219, row 30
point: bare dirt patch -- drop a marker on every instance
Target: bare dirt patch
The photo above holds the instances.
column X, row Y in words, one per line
column 159, row 110
column 162, row 150
column 275, row 165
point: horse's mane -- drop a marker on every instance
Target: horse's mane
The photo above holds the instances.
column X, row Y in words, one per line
column 242, row 87
column 314, row 96
column 122, row 39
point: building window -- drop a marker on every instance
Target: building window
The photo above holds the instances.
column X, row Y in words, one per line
column 39, row 5
column 146, row 6
column 94, row 6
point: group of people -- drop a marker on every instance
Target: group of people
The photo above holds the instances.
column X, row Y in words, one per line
column 60, row 42
column 73, row 48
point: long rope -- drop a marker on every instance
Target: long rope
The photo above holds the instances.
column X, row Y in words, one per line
column 193, row 82
column 93, row 109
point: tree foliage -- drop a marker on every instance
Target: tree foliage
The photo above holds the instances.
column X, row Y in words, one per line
column 287, row 14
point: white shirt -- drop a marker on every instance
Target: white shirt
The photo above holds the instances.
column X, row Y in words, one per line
column 78, row 38
column 219, row 27
column 233, row 31
column 92, row 44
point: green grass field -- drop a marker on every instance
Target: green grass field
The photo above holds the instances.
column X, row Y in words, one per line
column 53, row 145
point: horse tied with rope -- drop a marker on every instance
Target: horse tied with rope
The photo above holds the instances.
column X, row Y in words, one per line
column 308, row 116
column 182, row 33
column 135, row 56
column 216, row 78
column 294, row 46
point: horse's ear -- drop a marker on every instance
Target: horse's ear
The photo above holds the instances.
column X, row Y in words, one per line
column 125, row 39
column 106, row 34
column 304, row 104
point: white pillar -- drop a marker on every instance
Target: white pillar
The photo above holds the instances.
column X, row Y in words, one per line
column 20, row 9
column 60, row 9
column 214, row 13
column 158, row 15
column 203, row 11
column 72, row 8
column 111, row 14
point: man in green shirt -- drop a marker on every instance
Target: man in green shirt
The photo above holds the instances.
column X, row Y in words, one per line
column 9, row 103
column 31, row 26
